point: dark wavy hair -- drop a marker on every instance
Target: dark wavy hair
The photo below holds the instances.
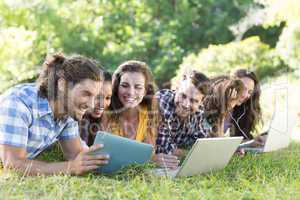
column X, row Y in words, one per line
column 73, row 70
column 250, row 109
column 216, row 104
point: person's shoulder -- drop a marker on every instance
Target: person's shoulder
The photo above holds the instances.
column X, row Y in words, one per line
column 25, row 93
column 165, row 94
column 24, row 90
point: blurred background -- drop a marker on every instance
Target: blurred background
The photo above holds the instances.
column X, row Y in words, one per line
column 172, row 36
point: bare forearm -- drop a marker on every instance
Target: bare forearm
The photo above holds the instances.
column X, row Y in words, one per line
column 15, row 159
column 34, row 167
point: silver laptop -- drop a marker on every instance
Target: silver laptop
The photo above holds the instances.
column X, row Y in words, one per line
column 279, row 133
column 206, row 155
column 283, row 121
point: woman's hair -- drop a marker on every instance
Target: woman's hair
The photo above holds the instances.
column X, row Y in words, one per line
column 250, row 109
column 148, row 102
column 73, row 70
column 132, row 66
column 90, row 125
column 107, row 76
column 217, row 102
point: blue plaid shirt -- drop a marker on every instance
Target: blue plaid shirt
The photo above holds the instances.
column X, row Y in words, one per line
column 27, row 121
column 172, row 132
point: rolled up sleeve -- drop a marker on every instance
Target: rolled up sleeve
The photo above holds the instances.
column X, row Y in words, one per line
column 71, row 131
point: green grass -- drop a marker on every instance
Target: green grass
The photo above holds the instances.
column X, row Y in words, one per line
column 265, row 176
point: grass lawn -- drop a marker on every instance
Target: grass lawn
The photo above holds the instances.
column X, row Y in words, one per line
column 266, row 176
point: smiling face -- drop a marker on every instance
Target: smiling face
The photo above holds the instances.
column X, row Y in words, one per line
column 187, row 99
column 81, row 97
column 103, row 100
column 131, row 90
column 248, row 91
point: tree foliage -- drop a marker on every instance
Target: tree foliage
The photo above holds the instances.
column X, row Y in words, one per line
column 288, row 11
column 250, row 54
column 159, row 32
column 279, row 18
column 16, row 55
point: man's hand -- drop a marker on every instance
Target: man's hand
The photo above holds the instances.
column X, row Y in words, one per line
column 166, row 160
column 85, row 162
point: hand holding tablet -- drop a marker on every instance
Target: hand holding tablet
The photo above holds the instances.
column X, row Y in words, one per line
column 122, row 151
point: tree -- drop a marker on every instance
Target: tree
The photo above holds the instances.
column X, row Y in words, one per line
column 159, row 32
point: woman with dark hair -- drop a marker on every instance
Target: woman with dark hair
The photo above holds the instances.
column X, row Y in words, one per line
column 225, row 93
column 247, row 113
column 91, row 122
column 133, row 110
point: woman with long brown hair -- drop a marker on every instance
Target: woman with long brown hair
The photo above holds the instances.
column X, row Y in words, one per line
column 133, row 110
column 246, row 114
column 225, row 93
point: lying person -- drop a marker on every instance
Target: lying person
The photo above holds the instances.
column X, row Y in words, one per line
column 181, row 118
column 246, row 115
column 225, row 93
column 133, row 110
column 34, row 116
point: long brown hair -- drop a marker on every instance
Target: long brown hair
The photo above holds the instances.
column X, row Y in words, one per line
column 148, row 101
column 250, row 109
column 217, row 103
column 73, row 70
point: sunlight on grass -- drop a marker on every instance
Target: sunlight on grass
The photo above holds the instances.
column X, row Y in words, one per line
column 255, row 176
column 265, row 176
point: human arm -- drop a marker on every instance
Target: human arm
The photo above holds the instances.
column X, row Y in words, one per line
column 15, row 120
column 165, row 145
column 15, row 158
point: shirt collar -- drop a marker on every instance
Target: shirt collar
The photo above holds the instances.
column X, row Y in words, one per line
column 43, row 107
